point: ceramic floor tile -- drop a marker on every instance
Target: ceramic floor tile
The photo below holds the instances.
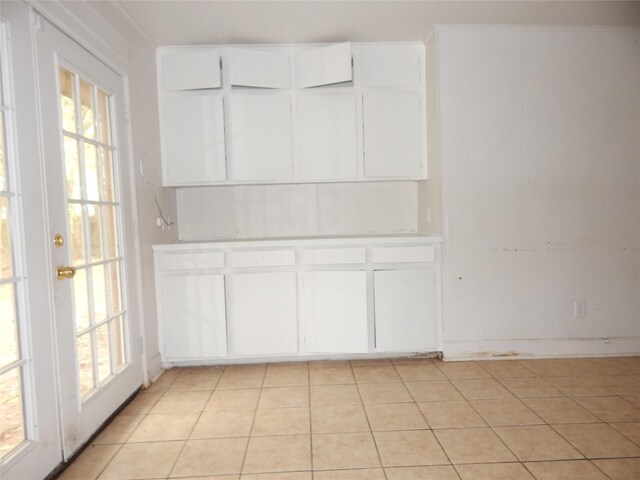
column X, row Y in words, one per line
column 119, row 430
column 566, row 470
column 281, row 421
column 598, row 440
column 376, row 374
column 278, row 454
column 611, row 409
column 494, row 471
column 243, row 399
column 537, row 443
column 530, row 387
column 395, row 416
column 372, row 362
column 355, row 474
column 620, row 469
column 506, row 412
column 457, row 414
column 462, row 370
column 223, row 424
column 507, row 369
column 142, row 403
column 142, row 460
column 206, row 380
column 332, row 376
column 586, row 391
column 335, row 451
column 284, row 375
column 629, row 430
column 391, row 392
column 237, row 379
column 164, row 381
column 482, row 389
column 339, row 419
column 277, row 476
column 415, row 373
column 473, row 445
column 158, row 427
column 90, row 462
column 552, row 367
column 435, row 472
column 560, row 410
column 413, row 361
column 276, row 397
column 410, row 448
column 438, row 391
column 324, row 395
column 210, row 457
column 175, row 402
column 329, row 363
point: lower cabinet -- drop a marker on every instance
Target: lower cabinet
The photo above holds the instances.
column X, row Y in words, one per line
column 335, row 312
column 404, row 310
column 192, row 312
column 262, row 313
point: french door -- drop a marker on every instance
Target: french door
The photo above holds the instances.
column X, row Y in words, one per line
column 90, row 232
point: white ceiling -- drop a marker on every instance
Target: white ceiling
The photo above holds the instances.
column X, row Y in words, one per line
column 207, row 22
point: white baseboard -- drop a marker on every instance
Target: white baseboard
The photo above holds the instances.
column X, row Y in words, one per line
column 154, row 365
column 545, row 348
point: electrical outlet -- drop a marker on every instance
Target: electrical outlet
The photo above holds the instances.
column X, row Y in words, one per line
column 580, row 309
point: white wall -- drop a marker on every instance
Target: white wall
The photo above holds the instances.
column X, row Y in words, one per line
column 540, row 157
column 272, row 211
column 105, row 30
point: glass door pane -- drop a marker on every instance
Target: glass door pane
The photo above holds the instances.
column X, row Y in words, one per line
column 93, row 210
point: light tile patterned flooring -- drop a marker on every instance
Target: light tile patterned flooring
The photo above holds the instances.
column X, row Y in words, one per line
column 397, row 419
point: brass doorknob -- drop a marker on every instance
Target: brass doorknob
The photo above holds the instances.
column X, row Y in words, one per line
column 65, row 272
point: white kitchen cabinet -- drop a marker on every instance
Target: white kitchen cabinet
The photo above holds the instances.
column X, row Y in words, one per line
column 192, row 315
column 261, row 148
column 324, row 65
column 193, row 69
column 260, row 68
column 394, row 133
column 193, row 139
column 262, row 309
column 327, row 136
column 405, row 310
column 335, row 311
column 390, row 67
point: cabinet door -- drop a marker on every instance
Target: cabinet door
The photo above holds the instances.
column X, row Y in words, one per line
column 259, row 68
column 335, row 312
column 191, row 70
column 394, row 134
column 193, row 134
column 390, row 67
column 261, row 137
column 192, row 312
column 263, row 313
column 405, row 310
column 324, row 65
column 327, row 137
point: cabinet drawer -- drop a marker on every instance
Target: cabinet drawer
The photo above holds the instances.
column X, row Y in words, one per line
column 403, row 254
column 182, row 261
column 332, row 256
column 263, row 258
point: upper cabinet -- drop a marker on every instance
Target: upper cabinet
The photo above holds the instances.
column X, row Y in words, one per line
column 324, row 66
column 259, row 68
column 234, row 115
column 191, row 70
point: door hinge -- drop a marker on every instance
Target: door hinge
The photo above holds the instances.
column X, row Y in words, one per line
column 38, row 22
column 141, row 345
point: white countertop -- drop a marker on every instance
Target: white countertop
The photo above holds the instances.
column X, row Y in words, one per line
column 350, row 240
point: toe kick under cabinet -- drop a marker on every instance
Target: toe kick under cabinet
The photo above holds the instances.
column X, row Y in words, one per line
column 302, row 298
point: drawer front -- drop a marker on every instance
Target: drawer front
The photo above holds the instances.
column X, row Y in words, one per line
column 263, row 258
column 403, row 254
column 183, row 261
column 333, row 256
